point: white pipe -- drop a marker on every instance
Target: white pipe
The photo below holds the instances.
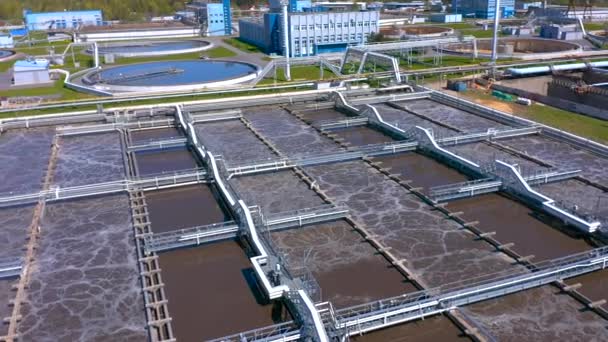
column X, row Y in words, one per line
column 562, row 67
column 286, row 40
column 495, row 36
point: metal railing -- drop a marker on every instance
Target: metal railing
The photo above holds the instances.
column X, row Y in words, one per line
column 152, row 182
column 159, row 145
column 372, row 316
column 335, row 124
column 188, row 237
column 10, row 267
column 215, row 116
column 321, row 158
column 488, row 185
column 109, row 127
column 288, row 331
column 195, row 236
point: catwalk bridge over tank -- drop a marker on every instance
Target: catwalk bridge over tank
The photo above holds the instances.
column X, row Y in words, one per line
column 153, row 182
column 195, row 236
column 384, row 313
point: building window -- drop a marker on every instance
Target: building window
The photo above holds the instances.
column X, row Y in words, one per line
column 366, row 24
column 374, row 23
column 360, row 24
column 332, row 38
column 296, row 28
column 318, row 26
column 339, row 25
column 303, row 27
column 311, row 27
column 326, row 26
column 318, row 39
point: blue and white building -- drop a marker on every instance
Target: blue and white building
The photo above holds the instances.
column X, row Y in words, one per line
column 309, row 32
column 483, row 9
column 214, row 18
column 70, row 20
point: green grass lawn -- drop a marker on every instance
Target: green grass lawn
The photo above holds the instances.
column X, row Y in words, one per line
column 578, row 124
column 479, row 33
column 299, row 73
column 596, row 26
column 219, row 52
column 196, row 97
column 42, row 49
column 65, row 94
column 241, row 45
column 458, row 26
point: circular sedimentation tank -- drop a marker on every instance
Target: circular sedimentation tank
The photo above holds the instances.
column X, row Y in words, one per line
column 5, row 54
column 522, row 48
column 404, row 32
column 170, row 76
column 150, row 49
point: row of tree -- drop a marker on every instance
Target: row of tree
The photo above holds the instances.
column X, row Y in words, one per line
column 112, row 9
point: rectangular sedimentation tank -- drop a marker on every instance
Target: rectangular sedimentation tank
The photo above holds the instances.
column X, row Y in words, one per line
column 85, row 282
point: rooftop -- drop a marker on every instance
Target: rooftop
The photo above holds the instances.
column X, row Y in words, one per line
column 32, row 64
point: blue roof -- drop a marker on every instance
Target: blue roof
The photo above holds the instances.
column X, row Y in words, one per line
column 32, row 64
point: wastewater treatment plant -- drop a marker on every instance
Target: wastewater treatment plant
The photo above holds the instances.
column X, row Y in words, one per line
column 328, row 216
column 321, row 172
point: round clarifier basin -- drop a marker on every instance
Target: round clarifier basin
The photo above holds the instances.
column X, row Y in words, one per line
column 171, row 76
column 522, row 48
column 150, row 49
column 6, row 54
column 399, row 32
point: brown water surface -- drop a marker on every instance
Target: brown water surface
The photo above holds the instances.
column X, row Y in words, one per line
column 514, row 222
column 432, row 329
column 212, row 292
column 318, row 115
column 184, row 207
column 167, row 161
column 595, row 285
column 362, row 135
column 423, row 171
column 143, row 135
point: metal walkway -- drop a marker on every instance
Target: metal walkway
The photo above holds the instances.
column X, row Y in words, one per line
column 215, row 116
column 373, row 150
column 10, row 267
column 110, row 127
column 368, row 317
column 195, row 236
column 274, row 276
column 476, row 187
column 321, row 158
column 162, row 181
column 346, row 123
column 159, row 145
column 384, row 313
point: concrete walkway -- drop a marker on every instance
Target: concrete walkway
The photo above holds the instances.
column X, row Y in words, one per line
column 253, row 57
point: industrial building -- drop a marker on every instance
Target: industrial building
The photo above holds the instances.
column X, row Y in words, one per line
column 31, row 72
column 483, row 9
column 6, row 41
column 62, row 20
column 309, row 33
column 214, row 18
